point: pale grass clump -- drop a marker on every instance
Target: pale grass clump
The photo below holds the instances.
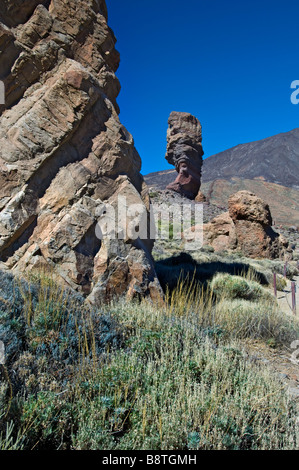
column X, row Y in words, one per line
column 257, row 320
column 238, row 287
column 245, row 309
column 48, row 298
column 7, row 439
column 234, row 307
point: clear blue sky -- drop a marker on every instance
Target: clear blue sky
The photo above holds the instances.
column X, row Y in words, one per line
column 228, row 62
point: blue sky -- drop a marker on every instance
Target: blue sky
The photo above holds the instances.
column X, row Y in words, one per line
column 230, row 63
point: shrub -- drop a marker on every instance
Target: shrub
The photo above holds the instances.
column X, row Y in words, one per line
column 257, row 320
column 227, row 315
column 51, row 338
column 237, row 287
column 171, row 271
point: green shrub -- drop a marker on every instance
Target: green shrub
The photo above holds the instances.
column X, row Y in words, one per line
column 153, row 194
column 238, row 287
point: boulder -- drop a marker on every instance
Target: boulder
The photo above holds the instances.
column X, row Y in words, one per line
column 200, row 197
column 65, row 157
column 184, row 151
column 245, row 205
column 220, row 233
column 246, row 227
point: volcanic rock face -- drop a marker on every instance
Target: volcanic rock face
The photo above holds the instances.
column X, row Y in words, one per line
column 246, row 228
column 64, row 155
column 184, row 151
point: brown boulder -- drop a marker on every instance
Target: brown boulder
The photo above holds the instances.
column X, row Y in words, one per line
column 220, row 233
column 246, row 228
column 184, row 151
column 200, row 197
column 245, row 205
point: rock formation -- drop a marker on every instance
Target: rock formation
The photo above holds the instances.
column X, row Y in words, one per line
column 184, row 151
column 64, row 155
column 246, row 227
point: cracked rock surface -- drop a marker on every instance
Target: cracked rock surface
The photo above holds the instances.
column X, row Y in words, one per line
column 64, row 155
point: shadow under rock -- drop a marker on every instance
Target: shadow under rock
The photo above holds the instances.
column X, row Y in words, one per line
column 171, row 271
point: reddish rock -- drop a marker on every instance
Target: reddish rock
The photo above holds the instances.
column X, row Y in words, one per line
column 247, row 206
column 220, row 233
column 246, row 228
column 184, row 151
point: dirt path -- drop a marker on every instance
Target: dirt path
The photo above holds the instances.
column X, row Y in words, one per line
column 284, row 363
column 285, row 298
column 279, row 361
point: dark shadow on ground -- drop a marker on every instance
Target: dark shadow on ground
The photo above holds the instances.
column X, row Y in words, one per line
column 171, row 271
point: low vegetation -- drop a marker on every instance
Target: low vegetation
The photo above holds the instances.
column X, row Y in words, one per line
column 138, row 376
column 238, row 287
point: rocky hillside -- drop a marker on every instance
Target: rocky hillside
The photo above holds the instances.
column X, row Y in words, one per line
column 275, row 159
column 64, row 155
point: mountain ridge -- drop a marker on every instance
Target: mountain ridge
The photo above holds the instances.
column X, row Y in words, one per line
column 275, row 159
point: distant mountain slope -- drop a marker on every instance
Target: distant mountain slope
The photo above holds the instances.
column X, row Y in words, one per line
column 160, row 179
column 283, row 201
column 275, row 159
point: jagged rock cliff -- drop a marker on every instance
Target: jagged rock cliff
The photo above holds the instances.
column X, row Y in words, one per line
column 64, row 155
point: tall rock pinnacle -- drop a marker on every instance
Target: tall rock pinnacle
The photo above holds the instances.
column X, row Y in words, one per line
column 64, row 155
column 184, row 151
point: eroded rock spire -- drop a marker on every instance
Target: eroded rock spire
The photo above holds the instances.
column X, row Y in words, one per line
column 185, row 152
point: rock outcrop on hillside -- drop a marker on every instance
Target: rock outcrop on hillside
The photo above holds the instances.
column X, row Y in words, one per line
column 64, row 155
column 246, row 227
column 185, row 152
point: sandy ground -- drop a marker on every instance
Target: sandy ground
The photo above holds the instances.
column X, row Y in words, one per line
column 285, row 298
